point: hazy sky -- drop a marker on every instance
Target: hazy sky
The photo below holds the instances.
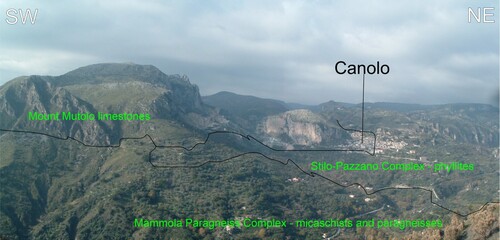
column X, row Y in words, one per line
column 276, row 49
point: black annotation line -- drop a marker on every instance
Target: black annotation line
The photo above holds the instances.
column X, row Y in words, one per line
column 249, row 137
column 362, row 111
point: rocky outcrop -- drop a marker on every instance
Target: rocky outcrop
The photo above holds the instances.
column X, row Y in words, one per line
column 36, row 94
column 301, row 127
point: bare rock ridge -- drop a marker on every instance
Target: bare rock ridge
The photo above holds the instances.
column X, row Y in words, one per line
column 110, row 88
column 54, row 189
column 36, row 94
column 302, row 126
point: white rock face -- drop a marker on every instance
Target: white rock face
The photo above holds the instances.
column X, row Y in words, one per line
column 302, row 126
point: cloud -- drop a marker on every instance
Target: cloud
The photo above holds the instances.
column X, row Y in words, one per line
column 274, row 49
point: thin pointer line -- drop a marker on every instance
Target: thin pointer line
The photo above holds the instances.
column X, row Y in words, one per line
column 363, row 111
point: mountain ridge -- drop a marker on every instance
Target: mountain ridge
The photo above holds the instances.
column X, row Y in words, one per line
column 65, row 190
column 383, row 104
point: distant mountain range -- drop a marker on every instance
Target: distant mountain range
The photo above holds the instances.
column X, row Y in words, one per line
column 468, row 123
column 63, row 190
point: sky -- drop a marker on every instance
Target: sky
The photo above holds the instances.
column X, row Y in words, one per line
column 284, row 50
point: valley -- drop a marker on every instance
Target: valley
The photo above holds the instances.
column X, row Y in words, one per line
column 441, row 155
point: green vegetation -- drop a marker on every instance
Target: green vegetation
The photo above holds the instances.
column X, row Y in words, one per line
column 63, row 190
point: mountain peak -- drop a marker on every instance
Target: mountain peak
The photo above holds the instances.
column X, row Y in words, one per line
column 112, row 72
column 105, row 69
